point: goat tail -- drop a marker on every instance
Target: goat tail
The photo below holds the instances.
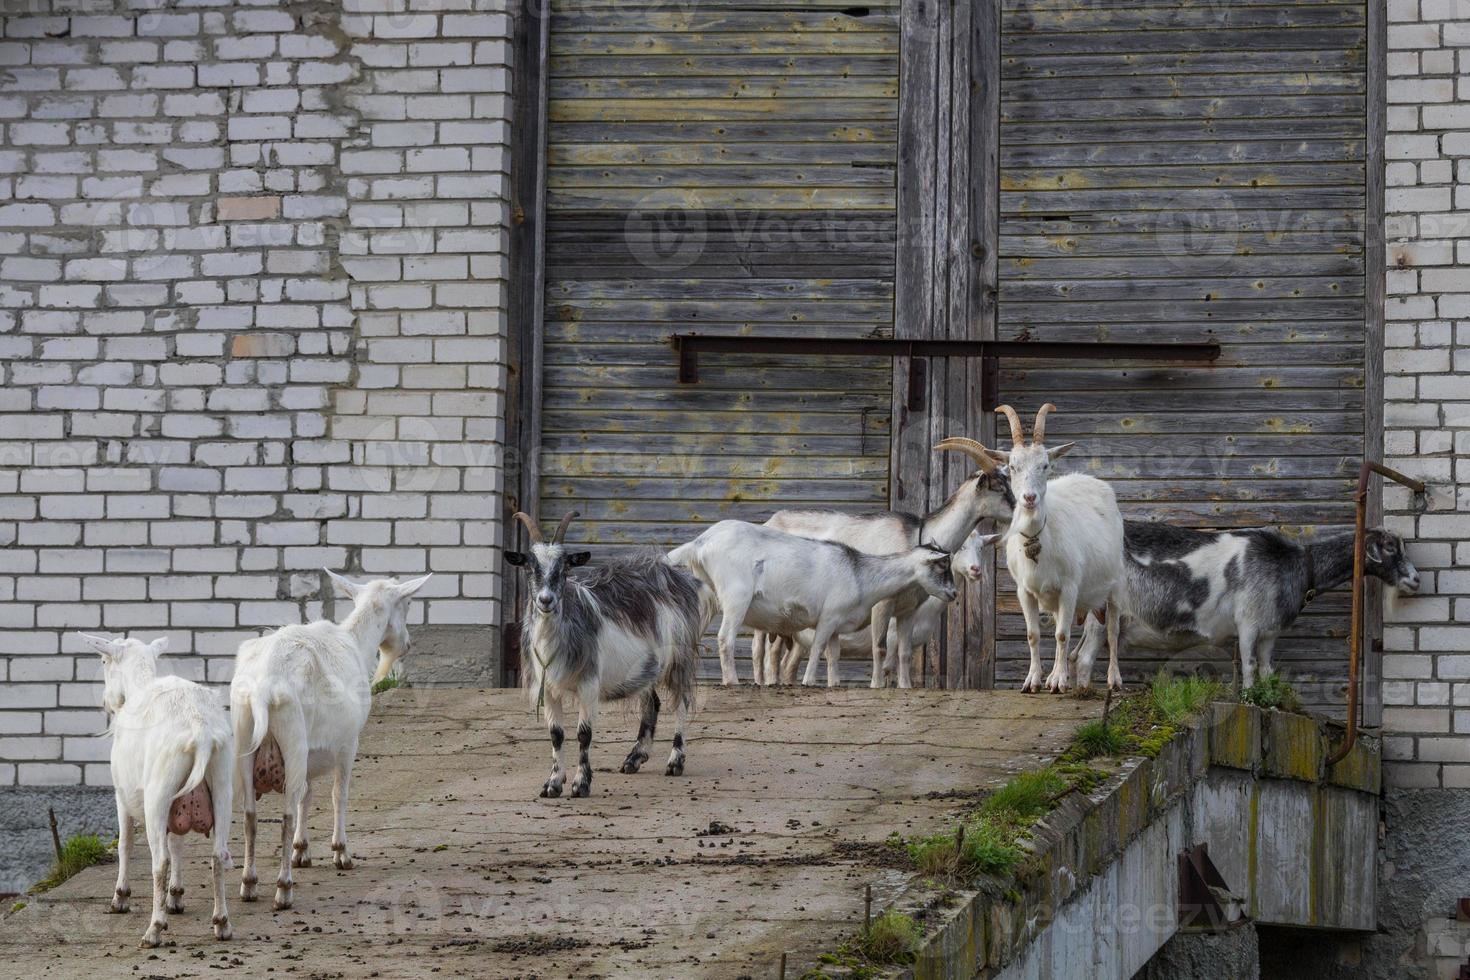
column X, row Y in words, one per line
column 203, row 750
column 684, row 555
column 257, row 707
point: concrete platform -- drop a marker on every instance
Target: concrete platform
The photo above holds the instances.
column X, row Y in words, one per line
column 757, row 849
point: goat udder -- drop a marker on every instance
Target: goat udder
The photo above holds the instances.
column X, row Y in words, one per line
column 270, row 769
column 194, row 811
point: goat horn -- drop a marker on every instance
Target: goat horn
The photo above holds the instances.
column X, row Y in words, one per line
column 561, row 529
column 1039, row 432
column 533, row 530
column 1018, row 436
column 970, row 448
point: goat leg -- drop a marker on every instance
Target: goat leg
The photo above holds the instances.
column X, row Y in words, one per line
column 647, row 725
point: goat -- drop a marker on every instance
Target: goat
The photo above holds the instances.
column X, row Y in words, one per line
column 781, row 583
column 921, row 622
column 300, row 697
column 1064, row 550
column 1187, row 588
column 172, row 769
column 630, row 628
column 986, row 493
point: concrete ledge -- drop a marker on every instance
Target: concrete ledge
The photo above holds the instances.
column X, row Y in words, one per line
column 453, row 656
column 1287, row 836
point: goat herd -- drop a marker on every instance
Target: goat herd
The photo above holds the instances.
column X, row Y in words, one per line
column 806, row 579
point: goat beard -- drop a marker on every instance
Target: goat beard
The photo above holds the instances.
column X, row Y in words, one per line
column 1392, row 596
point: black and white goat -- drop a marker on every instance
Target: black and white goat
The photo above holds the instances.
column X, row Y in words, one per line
column 985, row 493
column 1187, row 588
column 781, row 583
column 628, row 629
column 1064, row 549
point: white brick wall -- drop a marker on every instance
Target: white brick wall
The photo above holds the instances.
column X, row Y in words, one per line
column 252, row 271
column 1427, row 387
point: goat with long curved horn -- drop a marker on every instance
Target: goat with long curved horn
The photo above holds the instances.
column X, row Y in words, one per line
column 1038, row 432
column 533, row 530
column 1018, row 435
column 970, row 448
column 561, row 529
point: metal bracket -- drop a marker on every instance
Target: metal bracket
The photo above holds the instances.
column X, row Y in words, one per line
column 688, row 346
column 1205, row 900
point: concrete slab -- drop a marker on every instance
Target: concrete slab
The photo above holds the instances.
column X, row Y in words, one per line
column 461, row 869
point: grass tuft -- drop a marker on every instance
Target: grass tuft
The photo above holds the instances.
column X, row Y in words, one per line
column 17, row 907
column 1175, row 698
column 891, row 938
column 1272, row 691
column 77, row 854
column 1100, row 738
column 387, row 684
column 1026, row 797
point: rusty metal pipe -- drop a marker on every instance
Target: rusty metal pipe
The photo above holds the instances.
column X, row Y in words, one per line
column 1355, row 636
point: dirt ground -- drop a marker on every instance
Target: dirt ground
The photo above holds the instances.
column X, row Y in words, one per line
column 462, row 870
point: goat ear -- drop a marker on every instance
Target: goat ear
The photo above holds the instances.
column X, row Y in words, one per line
column 101, row 644
column 1061, row 450
column 158, row 646
column 1372, row 550
column 987, row 540
column 351, row 588
column 515, row 558
column 408, row 588
column 579, row 558
column 1002, row 458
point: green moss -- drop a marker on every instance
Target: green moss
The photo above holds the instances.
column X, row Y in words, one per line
column 17, row 906
column 77, row 854
column 1272, row 691
column 387, row 684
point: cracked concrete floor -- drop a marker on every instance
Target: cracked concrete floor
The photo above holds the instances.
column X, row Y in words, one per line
column 462, row 870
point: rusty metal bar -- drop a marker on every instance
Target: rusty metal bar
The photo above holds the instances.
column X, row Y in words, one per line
column 688, row 346
column 1355, row 637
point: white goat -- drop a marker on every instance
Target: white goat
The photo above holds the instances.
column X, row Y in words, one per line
column 921, row 622
column 783, row 584
column 172, row 769
column 1065, row 551
column 299, row 698
column 629, row 629
column 985, row 493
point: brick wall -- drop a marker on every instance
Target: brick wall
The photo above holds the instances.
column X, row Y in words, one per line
column 1427, row 387
column 252, row 263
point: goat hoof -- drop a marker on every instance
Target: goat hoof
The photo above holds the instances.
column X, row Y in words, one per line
column 281, row 904
column 551, row 790
column 300, row 860
column 580, row 789
column 343, row 862
column 118, row 906
column 633, row 761
column 222, row 927
column 675, row 768
column 151, row 938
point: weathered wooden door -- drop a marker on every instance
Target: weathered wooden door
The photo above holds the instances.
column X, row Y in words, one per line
column 1182, row 172
column 721, row 167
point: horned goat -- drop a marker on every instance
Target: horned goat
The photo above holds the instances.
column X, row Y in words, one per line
column 985, row 493
column 1064, row 549
column 173, row 757
column 781, row 583
column 299, row 698
column 630, row 628
column 1188, row 588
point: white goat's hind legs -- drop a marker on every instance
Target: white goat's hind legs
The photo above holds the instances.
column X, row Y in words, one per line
column 882, row 615
column 586, row 722
column 155, row 826
column 790, row 659
column 246, row 786
column 175, row 903
column 676, row 755
column 341, row 783
column 1061, row 678
column 819, row 647
column 834, row 654
column 1033, row 639
column 1265, row 646
column 125, row 830
column 221, row 917
column 733, row 610
column 552, row 787
column 1247, row 643
column 1115, row 632
column 300, row 853
column 905, row 628
column 647, row 727
column 758, row 658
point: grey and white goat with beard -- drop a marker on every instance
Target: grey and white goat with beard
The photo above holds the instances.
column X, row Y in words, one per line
column 628, row 629
column 1189, row 588
column 985, row 493
column 1064, row 549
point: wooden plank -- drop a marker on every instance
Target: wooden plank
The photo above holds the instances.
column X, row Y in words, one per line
column 1104, row 64
column 694, row 21
column 1020, row 178
column 743, row 64
column 1216, row 19
column 663, row 88
column 841, row 43
column 738, row 198
column 1158, row 130
column 1277, row 83
column 1333, row 38
column 695, row 154
column 1182, row 152
column 1372, row 665
column 731, row 131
